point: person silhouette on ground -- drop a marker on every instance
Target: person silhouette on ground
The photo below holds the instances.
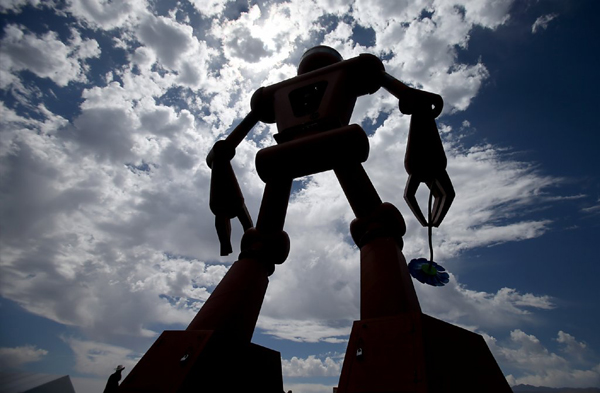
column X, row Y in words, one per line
column 113, row 381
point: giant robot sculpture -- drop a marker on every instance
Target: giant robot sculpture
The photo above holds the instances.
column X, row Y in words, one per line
column 393, row 347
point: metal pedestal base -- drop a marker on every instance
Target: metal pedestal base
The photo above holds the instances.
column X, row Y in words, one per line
column 414, row 352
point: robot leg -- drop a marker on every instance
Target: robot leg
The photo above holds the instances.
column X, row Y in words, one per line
column 268, row 242
column 234, row 305
column 386, row 286
column 215, row 352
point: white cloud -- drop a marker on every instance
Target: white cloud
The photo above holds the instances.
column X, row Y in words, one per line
column 246, row 47
column 304, row 330
column 311, row 367
column 15, row 357
column 489, row 14
column 261, row 34
column 169, row 40
column 176, row 48
column 143, row 57
column 46, row 55
column 591, row 210
column 107, row 14
column 17, row 5
column 458, row 304
column 105, row 133
column 95, row 358
column 573, row 348
column 425, row 48
column 542, row 22
column 76, row 230
column 210, row 8
column 539, row 366
column 381, row 13
column 308, row 387
column 106, row 224
column 324, row 266
column 109, row 212
column 89, row 385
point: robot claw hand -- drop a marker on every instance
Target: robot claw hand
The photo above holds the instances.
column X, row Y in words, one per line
column 425, row 162
column 443, row 194
column 223, row 226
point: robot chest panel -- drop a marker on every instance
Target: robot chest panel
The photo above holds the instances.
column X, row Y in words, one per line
column 307, row 99
column 319, row 100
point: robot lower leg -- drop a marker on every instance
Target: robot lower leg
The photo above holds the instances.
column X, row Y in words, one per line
column 268, row 242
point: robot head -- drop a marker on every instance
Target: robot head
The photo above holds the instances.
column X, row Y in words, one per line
column 318, row 57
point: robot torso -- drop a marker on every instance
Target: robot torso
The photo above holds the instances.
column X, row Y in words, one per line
column 317, row 101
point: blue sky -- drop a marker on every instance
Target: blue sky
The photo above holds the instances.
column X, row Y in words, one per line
column 109, row 109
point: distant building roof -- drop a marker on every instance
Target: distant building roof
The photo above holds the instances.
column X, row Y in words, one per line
column 34, row 383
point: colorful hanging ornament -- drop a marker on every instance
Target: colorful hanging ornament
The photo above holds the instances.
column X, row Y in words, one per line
column 427, row 271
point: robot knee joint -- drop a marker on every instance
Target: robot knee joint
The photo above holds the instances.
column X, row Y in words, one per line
column 386, row 220
column 272, row 248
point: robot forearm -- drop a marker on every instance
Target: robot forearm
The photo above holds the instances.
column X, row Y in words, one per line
column 225, row 194
column 411, row 100
column 234, row 139
column 226, row 198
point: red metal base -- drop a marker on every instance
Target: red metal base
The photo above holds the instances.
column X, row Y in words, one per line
column 416, row 353
column 200, row 361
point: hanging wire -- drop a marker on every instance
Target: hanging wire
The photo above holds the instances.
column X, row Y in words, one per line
column 429, row 272
column 430, row 227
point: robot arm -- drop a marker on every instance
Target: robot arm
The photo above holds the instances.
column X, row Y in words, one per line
column 226, row 199
column 425, row 160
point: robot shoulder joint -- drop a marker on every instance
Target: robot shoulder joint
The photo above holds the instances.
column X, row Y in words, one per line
column 262, row 105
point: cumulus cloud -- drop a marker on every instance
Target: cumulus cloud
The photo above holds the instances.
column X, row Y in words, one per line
column 478, row 309
column 107, row 14
column 104, row 132
column 169, row 39
column 592, row 210
column 305, row 330
column 543, row 367
column 95, row 358
column 211, row 7
column 176, row 48
column 74, row 229
column 11, row 358
column 106, row 225
column 16, row 5
column 308, row 387
column 542, row 22
column 454, row 303
column 311, row 367
column 571, row 347
column 423, row 48
column 125, row 141
column 89, row 384
column 45, row 55
column 246, row 47
column 323, row 260
column 128, row 172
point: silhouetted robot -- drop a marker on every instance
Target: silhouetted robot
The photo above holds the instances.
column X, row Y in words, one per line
column 394, row 346
column 312, row 112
